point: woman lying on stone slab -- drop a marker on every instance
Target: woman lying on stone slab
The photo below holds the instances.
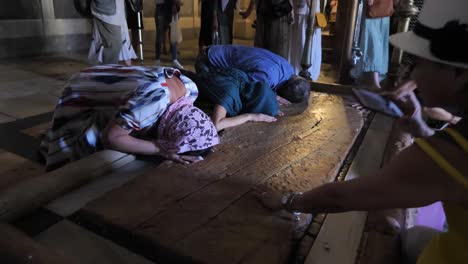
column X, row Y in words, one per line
column 436, row 167
column 140, row 110
column 235, row 98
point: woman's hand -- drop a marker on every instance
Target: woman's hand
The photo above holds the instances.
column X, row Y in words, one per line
column 402, row 90
column 412, row 122
column 262, row 118
column 183, row 159
column 405, row 98
column 117, row 138
column 268, row 198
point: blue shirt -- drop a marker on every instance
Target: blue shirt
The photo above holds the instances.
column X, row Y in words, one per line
column 260, row 65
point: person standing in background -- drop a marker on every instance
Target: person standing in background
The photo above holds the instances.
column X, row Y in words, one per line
column 225, row 17
column 298, row 38
column 106, row 27
column 165, row 10
column 284, row 32
column 111, row 40
column 216, row 16
column 272, row 28
column 208, row 23
column 332, row 16
column 374, row 44
column 133, row 7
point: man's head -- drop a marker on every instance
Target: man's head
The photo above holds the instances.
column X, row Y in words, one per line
column 295, row 90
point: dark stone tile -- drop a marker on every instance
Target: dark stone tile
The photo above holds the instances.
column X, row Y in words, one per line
column 37, row 221
column 65, row 9
column 40, row 45
column 21, row 9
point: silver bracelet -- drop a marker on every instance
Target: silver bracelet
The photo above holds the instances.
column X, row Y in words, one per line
column 291, row 198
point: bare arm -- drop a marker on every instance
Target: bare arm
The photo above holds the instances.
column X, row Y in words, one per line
column 412, row 179
column 221, row 121
column 117, row 138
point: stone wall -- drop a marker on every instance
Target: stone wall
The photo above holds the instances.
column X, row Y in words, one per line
column 44, row 27
column 40, row 27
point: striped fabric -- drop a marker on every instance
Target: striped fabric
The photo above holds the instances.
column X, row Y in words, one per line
column 135, row 96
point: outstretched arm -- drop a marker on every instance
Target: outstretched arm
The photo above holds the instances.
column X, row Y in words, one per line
column 117, row 138
column 221, row 121
column 411, row 180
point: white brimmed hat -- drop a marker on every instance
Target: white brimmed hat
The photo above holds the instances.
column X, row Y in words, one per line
column 441, row 34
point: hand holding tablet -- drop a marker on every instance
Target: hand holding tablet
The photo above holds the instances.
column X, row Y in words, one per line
column 377, row 102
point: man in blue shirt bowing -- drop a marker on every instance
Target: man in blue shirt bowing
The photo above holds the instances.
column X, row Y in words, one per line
column 261, row 66
column 246, row 84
